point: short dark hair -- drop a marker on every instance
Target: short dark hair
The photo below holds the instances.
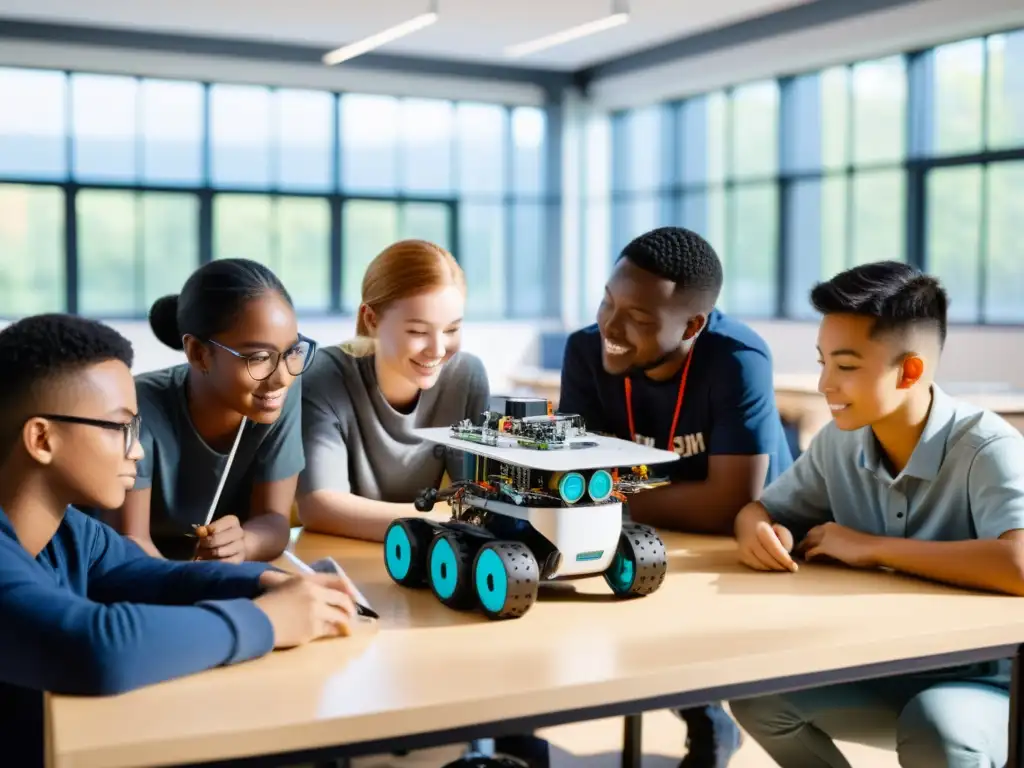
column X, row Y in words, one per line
column 41, row 348
column 897, row 295
column 211, row 300
column 680, row 255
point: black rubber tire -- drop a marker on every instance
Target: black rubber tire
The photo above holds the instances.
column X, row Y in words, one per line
column 461, row 596
column 640, row 562
column 522, row 579
column 418, row 536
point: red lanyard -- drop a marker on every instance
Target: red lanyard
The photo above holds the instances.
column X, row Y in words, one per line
column 679, row 403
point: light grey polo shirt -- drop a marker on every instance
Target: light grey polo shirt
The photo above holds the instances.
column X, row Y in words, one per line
column 964, row 480
column 356, row 442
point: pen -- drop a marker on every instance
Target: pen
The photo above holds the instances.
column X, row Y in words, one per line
column 362, row 605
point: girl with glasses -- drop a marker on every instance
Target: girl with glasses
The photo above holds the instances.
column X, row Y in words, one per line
column 232, row 402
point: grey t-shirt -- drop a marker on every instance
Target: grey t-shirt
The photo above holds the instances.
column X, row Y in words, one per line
column 356, row 442
column 184, row 471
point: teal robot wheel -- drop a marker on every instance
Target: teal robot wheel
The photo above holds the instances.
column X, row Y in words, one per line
column 639, row 564
column 600, row 485
column 406, row 542
column 449, row 570
column 571, row 487
column 506, row 577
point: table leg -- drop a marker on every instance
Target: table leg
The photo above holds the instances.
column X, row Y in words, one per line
column 632, row 742
column 1016, row 751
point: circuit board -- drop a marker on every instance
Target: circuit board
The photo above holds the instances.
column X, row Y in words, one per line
column 599, row 452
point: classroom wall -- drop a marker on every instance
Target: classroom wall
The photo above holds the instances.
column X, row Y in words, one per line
column 973, row 354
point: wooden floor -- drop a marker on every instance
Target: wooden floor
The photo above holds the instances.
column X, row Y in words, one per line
column 595, row 744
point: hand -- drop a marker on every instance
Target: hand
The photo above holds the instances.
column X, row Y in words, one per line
column 306, row 608
column 223, row 540
column 837, row 542
column 766, row 546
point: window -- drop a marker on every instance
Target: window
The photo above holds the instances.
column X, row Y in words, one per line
column 751, row 257
column 481, row 131
column 529, row 165
column 32, row 277
column 954, row 198
column 754, row 131
column 427, row 132
column 133, row 247
column 818, row 237
column 1006, row 90
column 33, row 142
column 303, row 125
column 482, row 234
column 104, row 115
column 370, row 226
column 953, row 76
column 369, row 143
column 1004, row 275
column 879, row 92
column 291, row 235
column 240, row 142
column 171, row 132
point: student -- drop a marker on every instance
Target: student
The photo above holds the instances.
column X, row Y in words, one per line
column 663, row 367
column 235, row 321
column 905, row 478
column 84, row 611
column 361, row 400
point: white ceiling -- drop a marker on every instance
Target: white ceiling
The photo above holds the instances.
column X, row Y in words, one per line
column 469, row 30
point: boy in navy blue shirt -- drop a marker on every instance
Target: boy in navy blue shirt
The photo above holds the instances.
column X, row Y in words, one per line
column 82, row 609
column 664, row 368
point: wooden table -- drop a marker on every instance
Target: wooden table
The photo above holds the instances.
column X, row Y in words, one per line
column 425, row 675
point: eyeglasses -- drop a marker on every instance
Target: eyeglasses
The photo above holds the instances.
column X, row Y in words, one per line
column 262, row 364
column 131, row 430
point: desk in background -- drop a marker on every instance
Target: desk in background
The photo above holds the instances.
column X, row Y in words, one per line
column 426, row 675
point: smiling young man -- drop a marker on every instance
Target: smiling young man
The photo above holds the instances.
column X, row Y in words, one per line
column 664, row 368
column 905, row 478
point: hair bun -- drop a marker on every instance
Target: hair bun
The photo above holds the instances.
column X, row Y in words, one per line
column 163, row 319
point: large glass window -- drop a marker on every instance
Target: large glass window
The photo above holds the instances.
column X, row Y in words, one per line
column 161, row 173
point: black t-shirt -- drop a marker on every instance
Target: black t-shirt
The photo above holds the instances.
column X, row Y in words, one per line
column 728, row 403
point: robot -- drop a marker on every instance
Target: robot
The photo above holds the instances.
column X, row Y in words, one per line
column 542, row 502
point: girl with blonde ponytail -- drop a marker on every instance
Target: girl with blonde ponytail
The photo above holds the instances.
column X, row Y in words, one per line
column 362, row 399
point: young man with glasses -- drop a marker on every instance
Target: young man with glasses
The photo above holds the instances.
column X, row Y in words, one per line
column 82, row 610
column 222, row 430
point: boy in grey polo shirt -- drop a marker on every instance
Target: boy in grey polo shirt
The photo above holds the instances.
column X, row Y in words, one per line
column 908, row 478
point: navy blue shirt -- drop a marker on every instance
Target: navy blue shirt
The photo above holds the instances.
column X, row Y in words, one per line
column 93, row 615
column 728, row 405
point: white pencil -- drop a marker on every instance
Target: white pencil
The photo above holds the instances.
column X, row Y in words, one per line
column 224, row 474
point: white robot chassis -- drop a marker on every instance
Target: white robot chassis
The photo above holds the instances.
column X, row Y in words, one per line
column 544, row 503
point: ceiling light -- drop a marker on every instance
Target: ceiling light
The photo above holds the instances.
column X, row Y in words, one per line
column 618, row 16
column 389, row 35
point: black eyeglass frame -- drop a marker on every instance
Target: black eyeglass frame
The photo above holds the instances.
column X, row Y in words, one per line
column 273, row 354
column 132, row 430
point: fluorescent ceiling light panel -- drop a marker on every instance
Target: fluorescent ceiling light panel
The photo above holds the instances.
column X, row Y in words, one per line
column 567, row 35
column 389, row 35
